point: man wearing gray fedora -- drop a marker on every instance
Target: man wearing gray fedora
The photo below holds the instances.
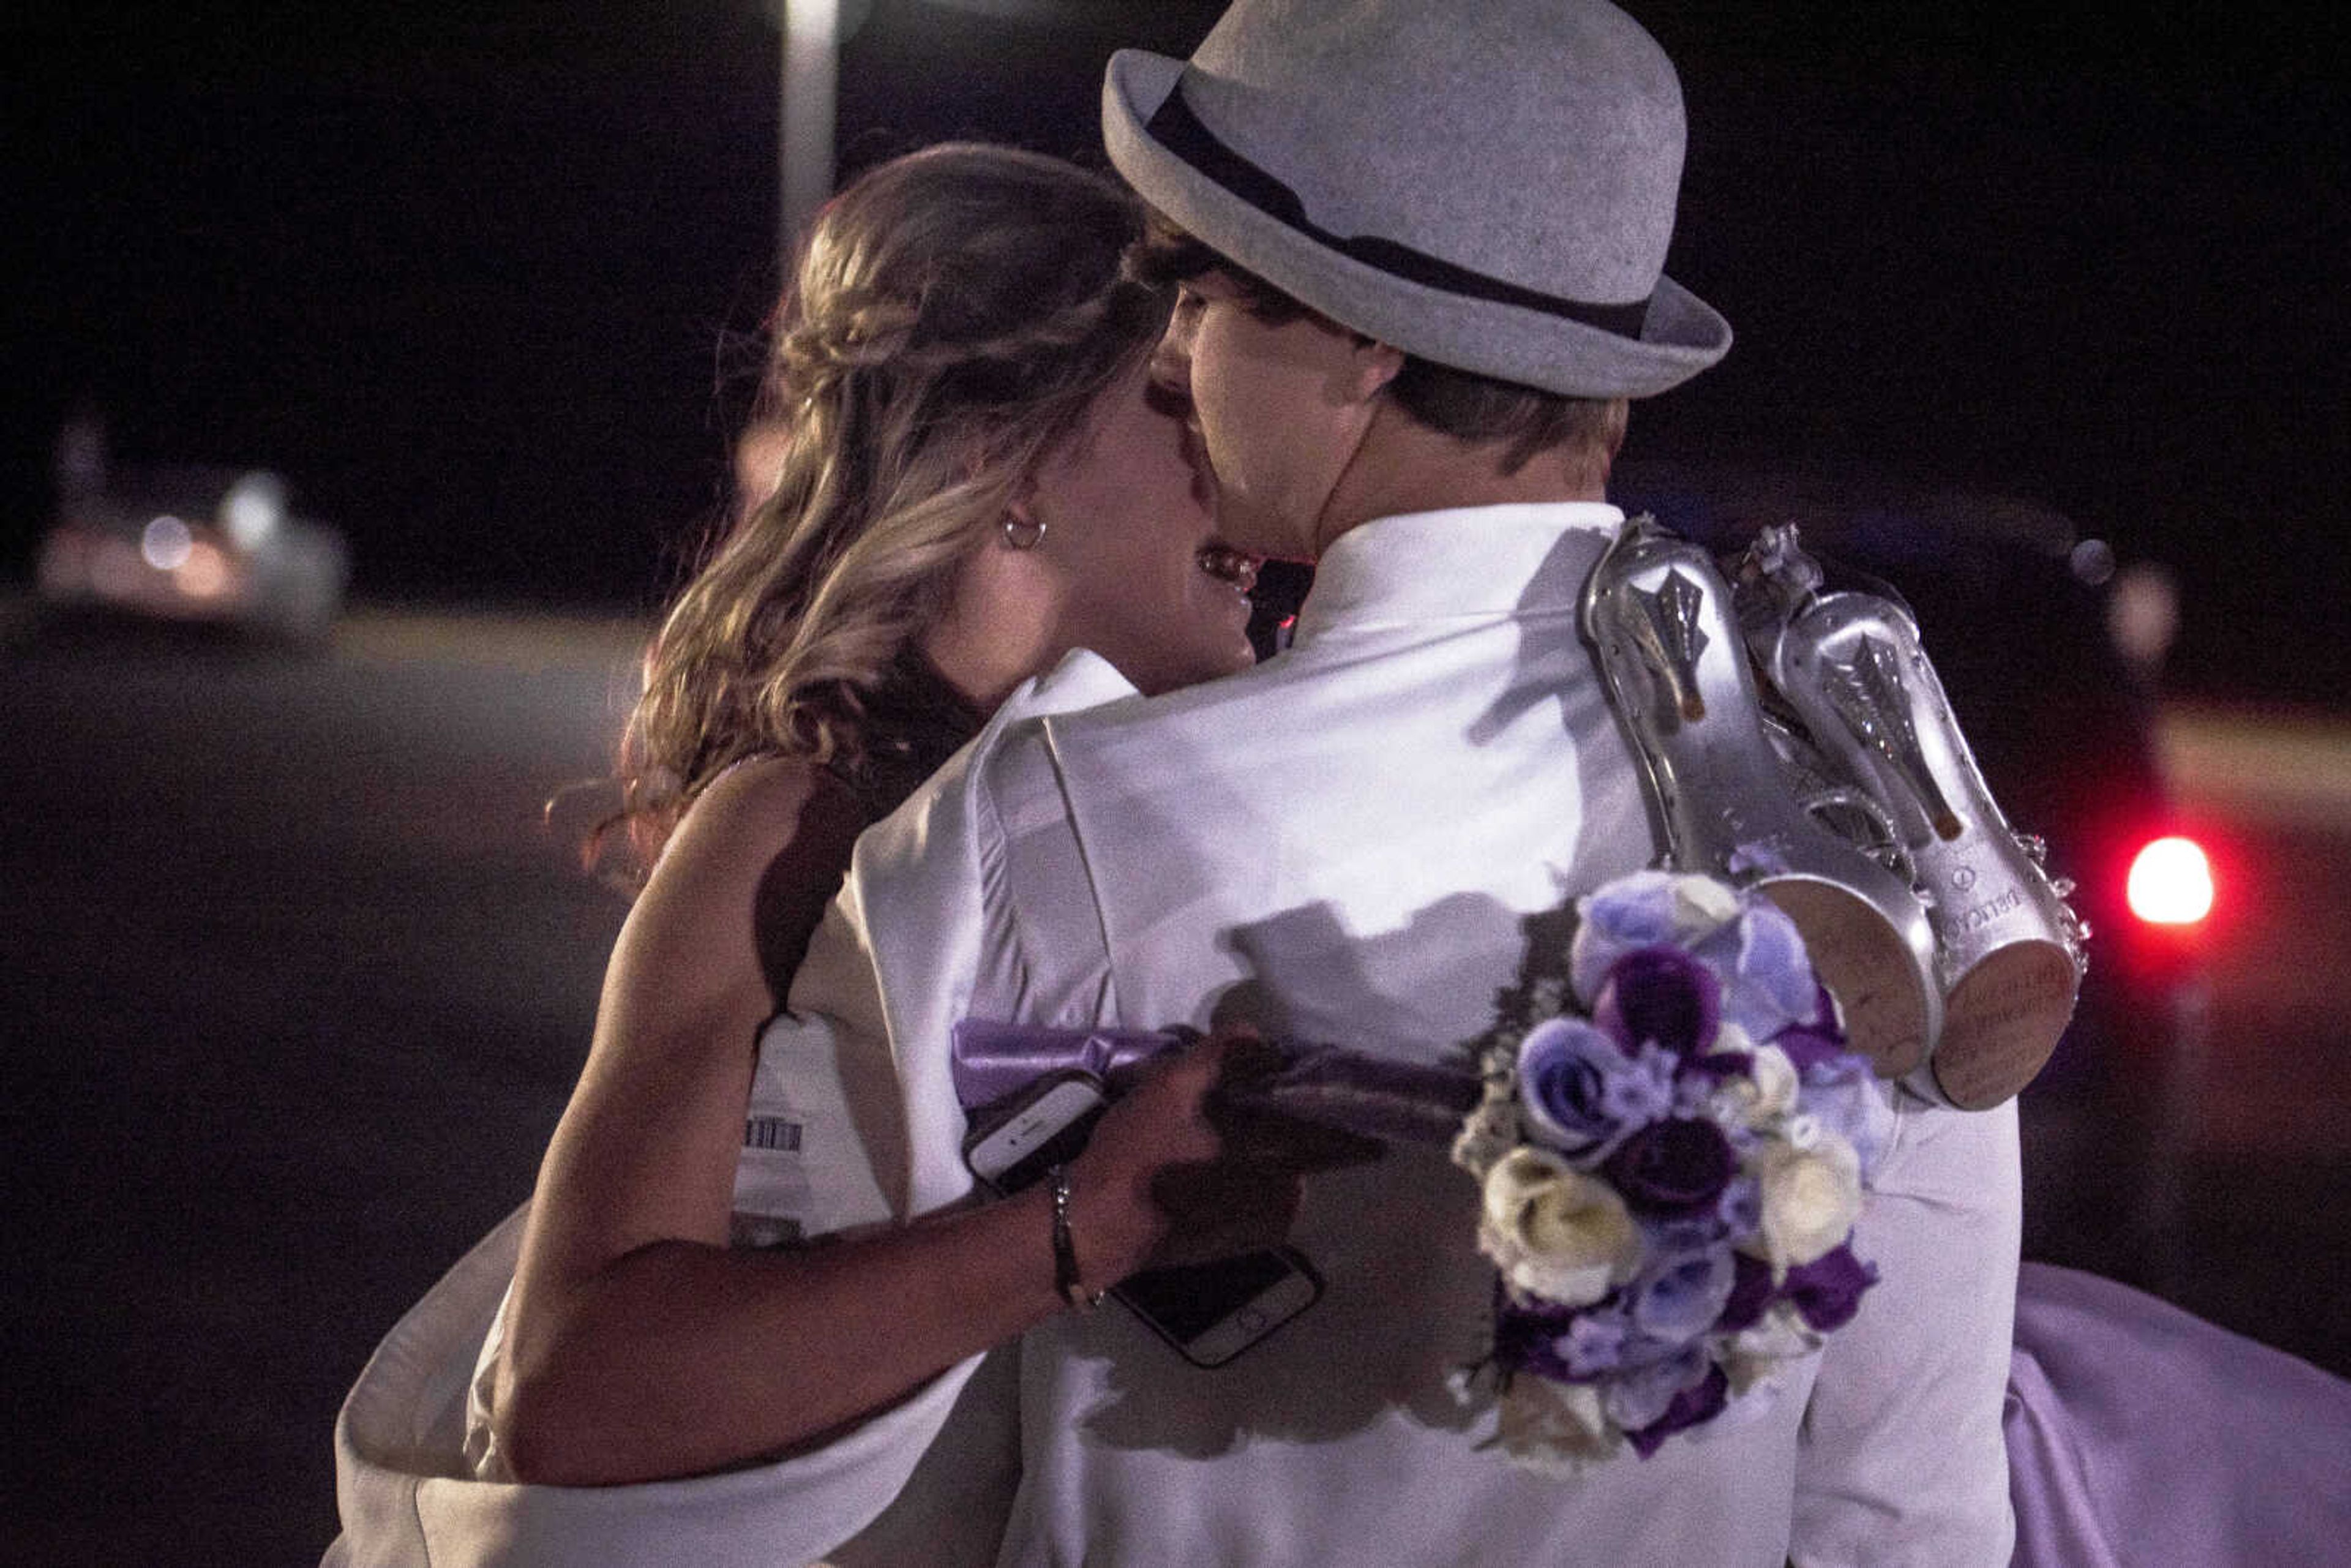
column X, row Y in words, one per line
column 1422, row 248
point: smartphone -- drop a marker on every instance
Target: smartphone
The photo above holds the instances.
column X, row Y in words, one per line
column 1209, row 1313
column 1011, row 1146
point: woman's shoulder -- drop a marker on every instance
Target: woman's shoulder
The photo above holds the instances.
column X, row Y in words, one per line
column 769, row 838
column 773, row 779
column 766, row 802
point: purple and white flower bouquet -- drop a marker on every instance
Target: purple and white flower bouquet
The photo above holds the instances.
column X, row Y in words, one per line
column 1672, row 1155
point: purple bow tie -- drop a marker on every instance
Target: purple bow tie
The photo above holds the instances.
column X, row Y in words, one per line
column 1328, row 1085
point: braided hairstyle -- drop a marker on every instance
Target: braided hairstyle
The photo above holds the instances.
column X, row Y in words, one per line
column 955, row 313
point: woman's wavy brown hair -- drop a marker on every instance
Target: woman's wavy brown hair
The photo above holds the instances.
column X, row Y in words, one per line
column 954, row 314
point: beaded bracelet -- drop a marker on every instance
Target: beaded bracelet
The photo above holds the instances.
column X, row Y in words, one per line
column 1065, row 1253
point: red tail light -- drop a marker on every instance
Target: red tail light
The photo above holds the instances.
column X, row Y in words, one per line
column 2170, row 883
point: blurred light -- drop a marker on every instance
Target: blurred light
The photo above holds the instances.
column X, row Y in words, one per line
column 854, row 15
column 2093, row 562
column 811, row 80
column 2170, row 883
column 759, row 455
column 204, row 574
column 2143, row 615
column 65, row 564
column 165, row 542
column 252, row 508
column 116, row 570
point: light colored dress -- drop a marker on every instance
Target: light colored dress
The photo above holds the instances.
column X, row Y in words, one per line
column 2138, row 1434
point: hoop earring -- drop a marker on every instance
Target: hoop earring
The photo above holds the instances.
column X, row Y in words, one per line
column 1023, row 533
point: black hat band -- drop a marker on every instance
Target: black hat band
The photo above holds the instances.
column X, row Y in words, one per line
column 1179, row 131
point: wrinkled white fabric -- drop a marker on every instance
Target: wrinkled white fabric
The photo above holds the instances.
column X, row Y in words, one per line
column 407, row 1499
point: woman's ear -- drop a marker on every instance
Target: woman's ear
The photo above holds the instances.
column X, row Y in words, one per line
column 1022, row 528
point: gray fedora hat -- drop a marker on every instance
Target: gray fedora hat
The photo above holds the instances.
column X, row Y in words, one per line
column 1485, row 184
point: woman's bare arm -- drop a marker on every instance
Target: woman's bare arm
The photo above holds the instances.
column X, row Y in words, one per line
column 639, row 1345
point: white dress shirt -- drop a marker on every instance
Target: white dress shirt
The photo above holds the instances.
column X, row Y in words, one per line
column 1342, row 846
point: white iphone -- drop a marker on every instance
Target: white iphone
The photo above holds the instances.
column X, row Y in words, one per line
column 1012, row 1145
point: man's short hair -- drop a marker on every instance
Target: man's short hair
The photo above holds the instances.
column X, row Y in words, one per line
column 1468, row 407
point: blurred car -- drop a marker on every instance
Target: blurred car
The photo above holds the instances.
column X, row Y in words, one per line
column 195, row 546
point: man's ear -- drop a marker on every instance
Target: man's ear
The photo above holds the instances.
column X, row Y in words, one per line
column 1374, row 365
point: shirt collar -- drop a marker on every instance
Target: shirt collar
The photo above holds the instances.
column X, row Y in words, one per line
column 1469, row 561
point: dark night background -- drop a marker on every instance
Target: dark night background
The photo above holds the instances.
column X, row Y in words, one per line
column 296, row 983
column 486, row 281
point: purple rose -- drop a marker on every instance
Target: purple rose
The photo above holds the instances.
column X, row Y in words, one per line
column 1768, row 981
column 1567, row 1081
column 1750, row 1292
column 1827, row 1292
column 1661, row 996
column 1838, row 1087
column 1566, row 1345
column 1699, row 1403
column 1633, row 911
column 1643, row 1394
column 1674, row 1169
column 1811, row 1045
column 1680, row 1299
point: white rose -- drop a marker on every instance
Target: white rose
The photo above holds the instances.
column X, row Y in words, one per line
column 1701, row 903
column 1489, row 1132
column 1811, row 1198
column 1554, row 1231
column 1553, row 1427
column 1761, row 1352
column 1764, row 1096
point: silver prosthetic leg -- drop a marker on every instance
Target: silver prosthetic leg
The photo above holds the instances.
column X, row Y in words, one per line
column 1864, row 816
column 1661, row 618
column 2009, row 949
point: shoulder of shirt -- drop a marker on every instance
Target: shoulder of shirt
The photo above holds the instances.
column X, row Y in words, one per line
column 1209, row 706
column 947, row 801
